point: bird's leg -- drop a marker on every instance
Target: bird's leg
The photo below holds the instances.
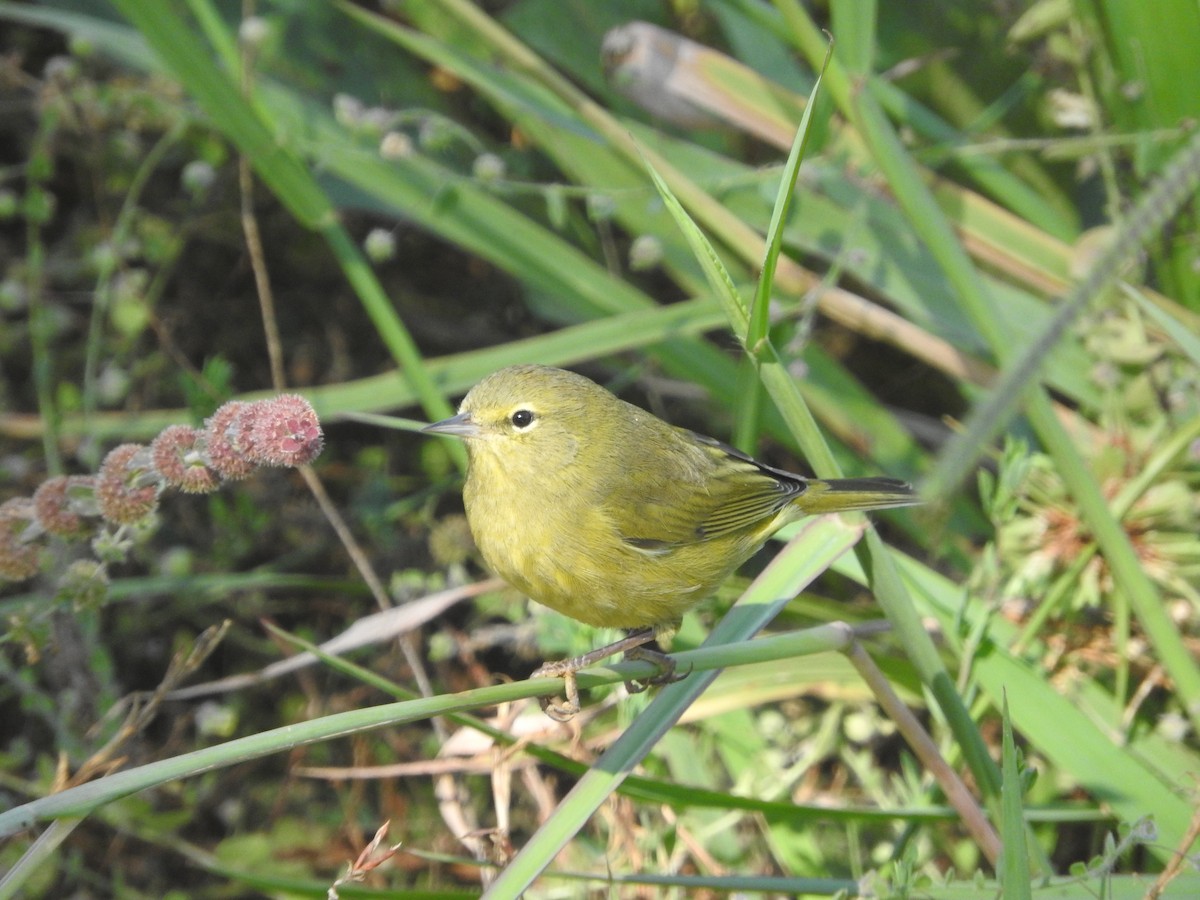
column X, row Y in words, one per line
column 566, row 669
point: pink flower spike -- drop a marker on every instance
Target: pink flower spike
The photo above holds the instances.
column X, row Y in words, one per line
column 127, row 486
column 227, row 441
column 286, row 431
column 53, row 506
column 177, row 457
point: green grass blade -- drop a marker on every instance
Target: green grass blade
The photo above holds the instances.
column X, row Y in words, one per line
column 39, row 854
column 710, row 261
column 1014, row 870
column 1057, row 220
column 1184, row 337
column 760, row 310
column 774, row 375
column 884, row 579
column 1073, row 742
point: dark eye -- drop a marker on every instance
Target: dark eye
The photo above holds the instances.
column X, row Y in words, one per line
column 522, row 418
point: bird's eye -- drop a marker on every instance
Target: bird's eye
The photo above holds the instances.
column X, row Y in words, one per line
column 521, row 419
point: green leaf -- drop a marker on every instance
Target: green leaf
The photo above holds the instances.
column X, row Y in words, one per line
column 1015, row 873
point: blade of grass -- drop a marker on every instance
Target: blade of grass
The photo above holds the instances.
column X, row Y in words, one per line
column 760, row 308
column 804, row 563
column 38, row 854
column 1056, row 220
column 1185, row 338
column 778, row 382
column 1133, row 774
column 1059, row 728
column 884, row 578
column 1015, row 875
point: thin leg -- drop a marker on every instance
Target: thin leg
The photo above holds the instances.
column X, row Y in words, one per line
column 565, row 669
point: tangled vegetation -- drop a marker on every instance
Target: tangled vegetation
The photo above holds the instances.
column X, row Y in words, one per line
column 248, row 647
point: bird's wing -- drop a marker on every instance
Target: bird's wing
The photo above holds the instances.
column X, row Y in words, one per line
column 733, row 494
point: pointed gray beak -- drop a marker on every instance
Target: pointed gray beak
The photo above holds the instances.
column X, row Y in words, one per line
column 456, row 426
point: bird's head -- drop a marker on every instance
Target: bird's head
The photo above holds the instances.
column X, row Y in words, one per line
column 527, row 417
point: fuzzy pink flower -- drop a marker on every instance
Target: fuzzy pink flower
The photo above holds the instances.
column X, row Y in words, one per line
column 177, row 457
column 127, row 486
column 57, row 503
column 19, row 556
column 228, row 441
column 286, row 431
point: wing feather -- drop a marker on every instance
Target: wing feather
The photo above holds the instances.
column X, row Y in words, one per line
column 719, row 493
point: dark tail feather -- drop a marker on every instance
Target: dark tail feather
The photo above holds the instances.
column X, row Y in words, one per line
column 841, row 494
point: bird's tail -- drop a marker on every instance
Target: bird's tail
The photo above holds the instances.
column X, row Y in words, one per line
column 841, row 494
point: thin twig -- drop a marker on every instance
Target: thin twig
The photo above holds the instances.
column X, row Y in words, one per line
column 927, row 752
column 448, row 791
column 258, row 263
column 1178, row 858
column 262, row 281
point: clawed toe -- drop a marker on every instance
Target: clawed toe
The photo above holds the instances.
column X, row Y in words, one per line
column 563, row 668
column 559, row 712
column 667, row 670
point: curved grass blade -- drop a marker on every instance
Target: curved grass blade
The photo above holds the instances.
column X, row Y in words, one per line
column 1014, row 867
column 760, row 310
column 884, row 577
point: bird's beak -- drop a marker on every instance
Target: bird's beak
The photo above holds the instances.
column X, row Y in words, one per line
column 456, row 426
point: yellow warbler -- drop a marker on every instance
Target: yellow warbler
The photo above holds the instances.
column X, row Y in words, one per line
column 606, row 513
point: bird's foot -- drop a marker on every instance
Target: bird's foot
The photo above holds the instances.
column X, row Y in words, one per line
column 566, row 669
column 667, row 670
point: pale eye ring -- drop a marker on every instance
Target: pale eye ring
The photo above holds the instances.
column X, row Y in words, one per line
column 521, row 419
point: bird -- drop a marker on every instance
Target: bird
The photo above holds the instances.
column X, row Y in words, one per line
column 605, row 513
